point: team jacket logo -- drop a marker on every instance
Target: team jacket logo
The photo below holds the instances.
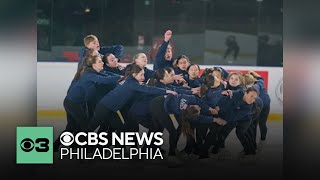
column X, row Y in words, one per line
column 121, row 82
column 183, row 104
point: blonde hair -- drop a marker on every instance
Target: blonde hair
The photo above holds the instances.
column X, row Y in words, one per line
column 248, row 79
column 239, row 74
column 88, row 39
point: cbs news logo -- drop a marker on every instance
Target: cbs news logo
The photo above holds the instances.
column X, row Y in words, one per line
column 34, row 145
column 28, row 145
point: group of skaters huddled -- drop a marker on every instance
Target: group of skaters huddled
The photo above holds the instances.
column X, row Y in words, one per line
column 105, row 96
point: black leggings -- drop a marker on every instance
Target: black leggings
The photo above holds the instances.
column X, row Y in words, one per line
column 132, row 123
column 251, row 133
column 105, row 125
column 109, row 121
column 162, row 120
column 263, row 122
column 138, row 118
column 210, row 138
column 134, row 119
column 241, row 129
column 201, row 133
column 77, row 118
column 103, row 115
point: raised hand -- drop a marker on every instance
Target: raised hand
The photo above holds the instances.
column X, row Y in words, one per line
column 167, row 35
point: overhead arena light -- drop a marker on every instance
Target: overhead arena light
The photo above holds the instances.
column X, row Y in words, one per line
column 87, row 10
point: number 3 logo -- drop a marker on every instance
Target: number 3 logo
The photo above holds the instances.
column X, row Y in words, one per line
column 43, row 145
column 40, row 145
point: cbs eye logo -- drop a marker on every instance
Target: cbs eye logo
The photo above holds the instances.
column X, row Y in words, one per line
column 66, row 138
column 34, row 145
column 40, row 145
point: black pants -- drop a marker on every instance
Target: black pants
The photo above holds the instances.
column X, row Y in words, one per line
column 162, row 120
column 194, row 143
column 134, row 118
column 132, row 123
column 77, row 116
column 263, row 122
column 251, row 133
column 241, row 129
column 210, row 138
column 102, row 114
column 77, row 119
column 105, row 125
column 138, row 118
column 201, row 133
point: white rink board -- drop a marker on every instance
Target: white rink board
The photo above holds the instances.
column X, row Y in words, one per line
column 53, row 80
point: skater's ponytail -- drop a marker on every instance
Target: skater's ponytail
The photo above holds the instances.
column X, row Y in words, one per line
column 188, row 115
column 157, row 76
column 208, row 82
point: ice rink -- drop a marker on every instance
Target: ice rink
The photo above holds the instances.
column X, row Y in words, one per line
column 267, row 163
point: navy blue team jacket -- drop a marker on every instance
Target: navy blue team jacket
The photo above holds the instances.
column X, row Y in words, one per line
column 126, row 90
column 116, row 50
column 160, row 61
column 175, row 104
column 83, row 89
column 235, row 109
column 263, row 94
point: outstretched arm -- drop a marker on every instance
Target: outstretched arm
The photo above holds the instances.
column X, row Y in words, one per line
column 116, row 50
